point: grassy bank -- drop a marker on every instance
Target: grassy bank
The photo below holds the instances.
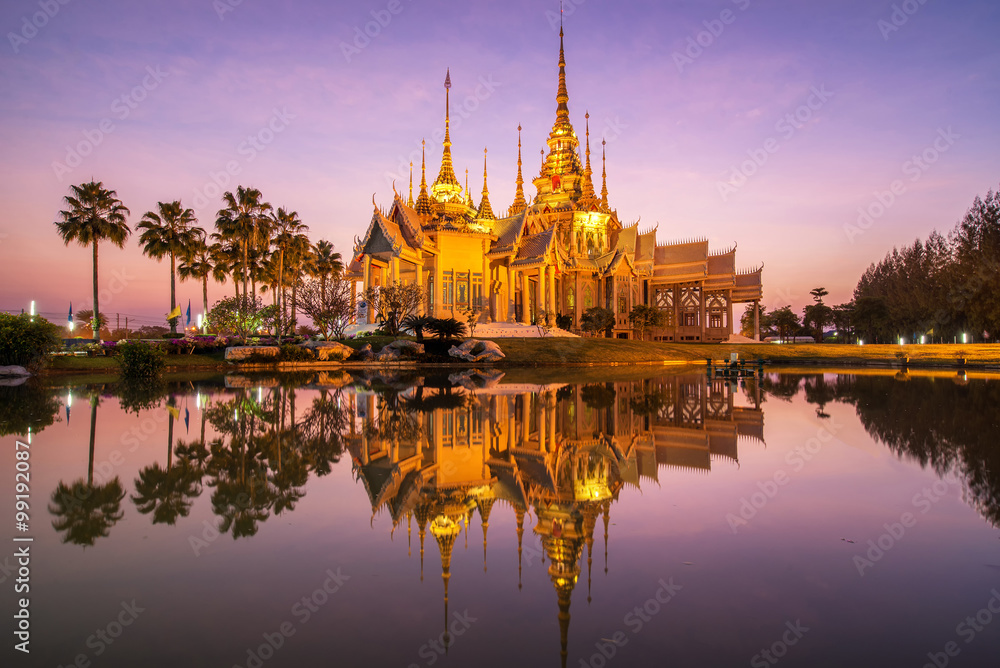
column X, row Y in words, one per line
column 586, row 351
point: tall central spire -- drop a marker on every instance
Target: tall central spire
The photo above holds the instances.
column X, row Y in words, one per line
column 562, row 95
column 446, row 185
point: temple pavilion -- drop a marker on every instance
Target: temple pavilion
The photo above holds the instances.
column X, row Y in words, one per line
column 561, row 253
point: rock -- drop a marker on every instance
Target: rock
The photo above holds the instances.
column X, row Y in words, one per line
column 238, row 353
column 364, row 353
column 476, row 379
column 405, row 347
column 474, row 350
column 329, row 351
column 18, row 371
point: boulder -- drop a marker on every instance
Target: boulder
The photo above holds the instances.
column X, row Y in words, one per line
column 329, row 351
column 475, row 350
column 405, row 347
column 240, row 353
column 19, row 371
column 364, row 353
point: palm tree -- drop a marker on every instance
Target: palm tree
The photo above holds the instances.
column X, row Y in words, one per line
column 95, row 214
column 298, row 256
column 169, row 232
column 243, row 221
column 201, row 261
column 325, row 263
column 289, row 230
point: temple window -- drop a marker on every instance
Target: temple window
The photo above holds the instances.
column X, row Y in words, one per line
column 447, row 289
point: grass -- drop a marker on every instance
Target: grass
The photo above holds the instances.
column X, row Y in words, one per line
column 588, row 351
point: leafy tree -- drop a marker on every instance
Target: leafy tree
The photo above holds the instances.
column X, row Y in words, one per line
column 597, row 319
column 245, row 224
column 169, row 232
column 392, row 303
column 818, row 314
column 289, row 230
column 243, row 316
column 26, row 340
column 94, row 214
column 329, row 306
column 87, row 316
column 785, row 321
column 645, row 317
column 763, row 321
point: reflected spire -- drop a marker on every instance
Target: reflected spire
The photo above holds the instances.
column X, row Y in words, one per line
column 445, row 531
column 520, row 536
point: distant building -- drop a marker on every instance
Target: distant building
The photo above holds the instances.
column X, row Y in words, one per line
column 563, row 253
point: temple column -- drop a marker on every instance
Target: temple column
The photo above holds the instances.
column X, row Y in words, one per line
column 756, row 320
column 420, row 283
column 438, row 288
column 367, row 284
column 542, row 431
column 540, row 293
column 551, row 278
column 393, row 270
column 525, row 314
column 510, row 294
column 525, row 421
column 553, row 414
column 577, row 298
column 487, row 295
column 677, row 310
column 701, row 310
column 729, row 311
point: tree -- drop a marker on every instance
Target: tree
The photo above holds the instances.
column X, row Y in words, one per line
column 471, row 313
column 446, row 328
column 416, row 324
column 597, row 319
column 843, row 321
column 200, row 262
column 330, row 307
column 244, row 223
column 87, row 316
column 94, row 214
column 747, row 324
column 817, row 314
column 288, row 229
column 392, row 303
column 785, row 321
column 170, row 232
column 644, row 317
column 243, row 316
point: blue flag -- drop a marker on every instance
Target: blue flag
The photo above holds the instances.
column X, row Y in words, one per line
column 189, row 313
column 70, row 319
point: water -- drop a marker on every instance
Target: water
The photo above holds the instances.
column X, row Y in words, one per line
column 552, row 518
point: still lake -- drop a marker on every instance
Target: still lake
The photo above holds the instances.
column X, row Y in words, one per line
column 535, row 518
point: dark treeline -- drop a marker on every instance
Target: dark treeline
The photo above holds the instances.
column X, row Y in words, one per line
column 939, row 288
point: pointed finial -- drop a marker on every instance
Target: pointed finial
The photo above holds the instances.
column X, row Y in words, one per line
column 409, row 201
column 604, row 173
column 485, row 208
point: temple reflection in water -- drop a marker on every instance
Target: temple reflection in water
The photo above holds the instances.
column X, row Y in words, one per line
column 563, row 452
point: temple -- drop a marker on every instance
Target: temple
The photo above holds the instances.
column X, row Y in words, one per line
column 562, row 253
column 561, row 453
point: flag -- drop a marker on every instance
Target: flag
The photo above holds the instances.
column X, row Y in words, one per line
column 189, row 314
column 176, row 313
column 174, row 411
column 187, row 420
column 70, row 319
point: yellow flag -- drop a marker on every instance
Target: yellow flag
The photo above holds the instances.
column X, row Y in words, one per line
column 173, row 410
column 176, row 313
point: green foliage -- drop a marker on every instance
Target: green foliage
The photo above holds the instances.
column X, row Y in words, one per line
column 785, row 321
column 139, row 360
column 416, row 324
column 243, row 316
column 25, row 340
column 291, row 353
column 27, row 406
column 597, row 319
column 446, row 328
column 392, row 303
column 645, row 317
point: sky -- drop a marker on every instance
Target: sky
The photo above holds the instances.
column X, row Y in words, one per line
column 815, row 136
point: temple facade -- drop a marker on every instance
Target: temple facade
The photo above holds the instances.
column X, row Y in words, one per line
column 561, row 253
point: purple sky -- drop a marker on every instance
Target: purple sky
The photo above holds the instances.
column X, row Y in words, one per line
column 681, row 121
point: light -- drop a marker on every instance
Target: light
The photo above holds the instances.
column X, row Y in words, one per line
column 965, row 337
column 236, row 415
column 922, row 339
column 32, row 308
column 861, row 342
column 197, row 400
column 72, row 325
column 199, row 321
column 260, row 395
column 902, row 341
column 69, row 399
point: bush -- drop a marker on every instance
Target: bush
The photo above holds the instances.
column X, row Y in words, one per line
column 446, row 328
column 564, row 322
column 139, row 360
column 25, row 340
column 291, row 353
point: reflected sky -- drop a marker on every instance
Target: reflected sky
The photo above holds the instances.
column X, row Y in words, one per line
column 674, row 520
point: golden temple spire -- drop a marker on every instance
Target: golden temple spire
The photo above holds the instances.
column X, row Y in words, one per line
column 468, row 193
column 588, row 182
column 445, row 530
column 520, row 536
column 607, row 508
column 423, row 200
column 485, row 506
column 446, row 186
column 562, row 95
column 604, row 174
column 409, row 200
column 519, row 204
column 485, row 210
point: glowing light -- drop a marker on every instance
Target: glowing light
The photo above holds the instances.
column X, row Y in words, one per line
column 72, row 325
column 32, row 308
column 922, row 339
column 260, row 395
column 902, row 341
column 861, row 342
column 69, row 399
column 965, row 337
column 199, row 321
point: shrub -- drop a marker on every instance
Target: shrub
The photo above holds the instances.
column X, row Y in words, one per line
column 564, row 321
column 416, row 324
column 139, row 360
column 291, row 353
column 25, row 340
column 243, row 316
column 446, row 328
